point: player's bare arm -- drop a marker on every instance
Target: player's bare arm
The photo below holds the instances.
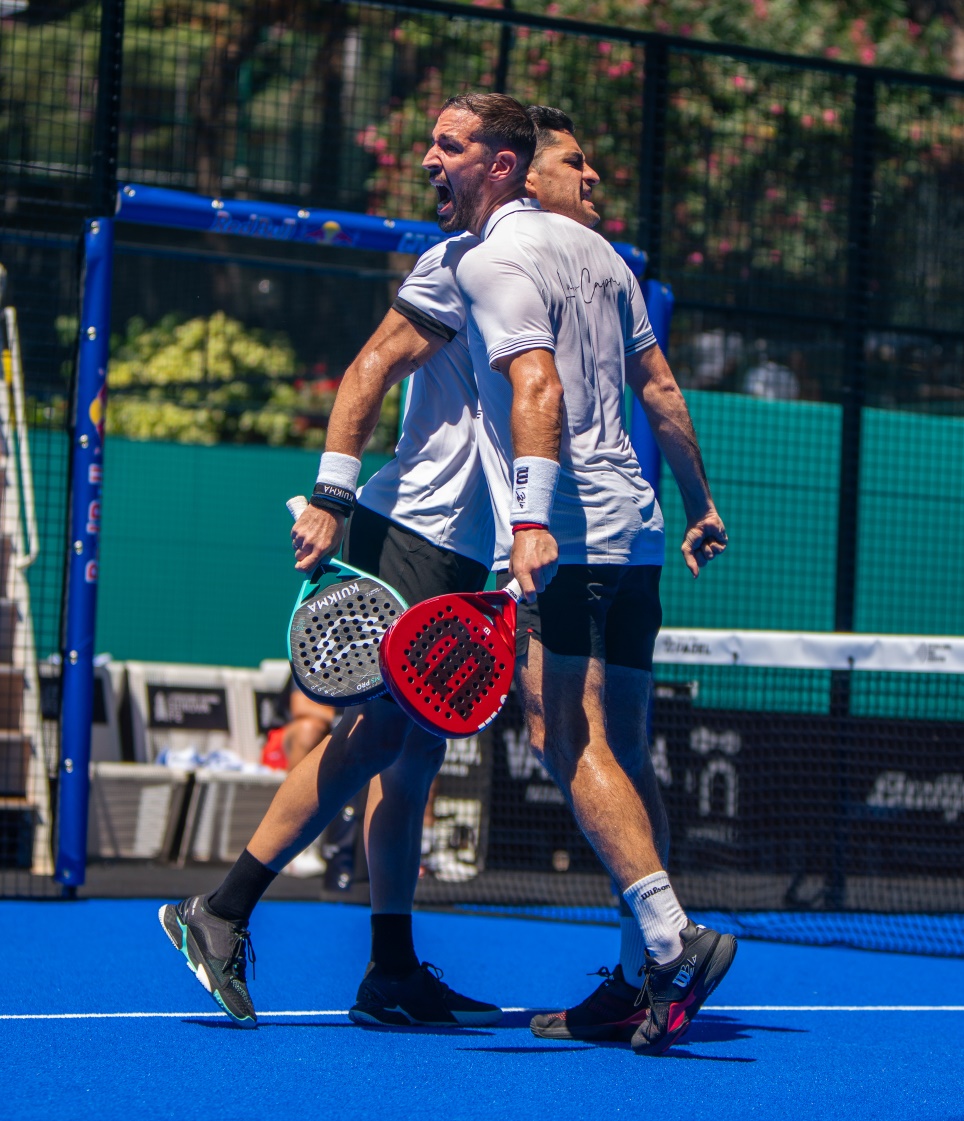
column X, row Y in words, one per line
column 396, row 349
column 651, row 379
column 536, row 426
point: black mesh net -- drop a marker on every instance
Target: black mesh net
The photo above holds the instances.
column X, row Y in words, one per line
column 789, row 788
column 808, row 219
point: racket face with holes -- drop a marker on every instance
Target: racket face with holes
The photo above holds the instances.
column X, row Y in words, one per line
column 338, row 622
column 448, row 661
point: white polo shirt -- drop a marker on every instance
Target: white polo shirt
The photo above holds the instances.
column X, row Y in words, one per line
column 539, row 280
column 435, row 485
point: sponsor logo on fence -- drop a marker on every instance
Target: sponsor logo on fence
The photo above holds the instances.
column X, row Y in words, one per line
column 895, row 790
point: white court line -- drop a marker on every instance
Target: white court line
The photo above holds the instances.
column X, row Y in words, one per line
column 833, row 1007
column 344, row 1012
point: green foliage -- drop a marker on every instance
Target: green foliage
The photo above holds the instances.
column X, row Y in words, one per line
column 213, row 381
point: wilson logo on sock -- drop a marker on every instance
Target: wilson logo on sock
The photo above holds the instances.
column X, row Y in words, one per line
column 653, row 891
column 685, row 975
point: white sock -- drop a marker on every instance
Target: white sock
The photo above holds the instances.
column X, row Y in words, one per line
column 632, row 949
column 661, row 918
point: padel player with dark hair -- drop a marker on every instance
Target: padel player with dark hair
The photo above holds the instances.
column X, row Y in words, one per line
column 557, row 329
column 424, row 525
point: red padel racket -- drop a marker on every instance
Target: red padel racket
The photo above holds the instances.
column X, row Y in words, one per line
column 448, row 661
column 337, row 623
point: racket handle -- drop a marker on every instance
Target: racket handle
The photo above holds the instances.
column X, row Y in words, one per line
column 297, row 506
column 514, row 590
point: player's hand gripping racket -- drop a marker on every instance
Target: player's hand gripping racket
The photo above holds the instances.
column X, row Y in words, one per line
column 448, row 661
column 338, row 621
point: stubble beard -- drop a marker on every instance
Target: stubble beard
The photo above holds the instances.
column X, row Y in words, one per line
column 460, row 218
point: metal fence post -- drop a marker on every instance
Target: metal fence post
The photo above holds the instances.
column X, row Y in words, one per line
column 856, row 308
column 652, row 160
column 87, row 454
column 86, row 463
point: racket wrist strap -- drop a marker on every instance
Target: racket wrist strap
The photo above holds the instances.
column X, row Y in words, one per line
column 334, row 499
column 534, row 482
column 339, row 470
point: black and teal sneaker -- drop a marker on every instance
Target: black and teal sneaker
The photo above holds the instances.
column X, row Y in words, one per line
column 675, row 992
column 217, row 952
column 614, row 1010
column 420, row 999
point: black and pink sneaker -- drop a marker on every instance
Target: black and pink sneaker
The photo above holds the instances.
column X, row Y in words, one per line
column 675, row 992
column 613, row 1011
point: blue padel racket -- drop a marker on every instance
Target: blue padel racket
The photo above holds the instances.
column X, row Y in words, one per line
column 338, row 621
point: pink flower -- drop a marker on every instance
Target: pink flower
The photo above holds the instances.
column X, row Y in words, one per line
column 686, row 30
column 614, row 225
column 614, row 71
column 605, row 48
column 916, row 132
column 552, row 9
column 775, row 256
column 868, row 54
column 695, row 258
column 541, row 67
column 725, row 246
column 740, row 82
column 913, row 29
column 806, row 120
column 776, row 109
column 832, row 52
column 773, row 193
column 827, row 205
column 829, row 116
column 760, row 9
column 386, row 159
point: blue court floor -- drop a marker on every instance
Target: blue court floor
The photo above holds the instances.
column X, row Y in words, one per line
column 100, row 1018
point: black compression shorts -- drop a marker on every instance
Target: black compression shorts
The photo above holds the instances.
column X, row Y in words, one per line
column 414, row 567
column 606, row 611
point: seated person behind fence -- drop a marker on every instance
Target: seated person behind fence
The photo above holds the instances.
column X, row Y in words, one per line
column 301, row 724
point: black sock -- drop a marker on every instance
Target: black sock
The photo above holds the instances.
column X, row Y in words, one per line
column 392, row 947
column 241, row 889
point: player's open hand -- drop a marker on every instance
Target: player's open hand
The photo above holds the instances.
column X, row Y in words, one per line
column 533, row 561
column 705, row 538
column 316, row 537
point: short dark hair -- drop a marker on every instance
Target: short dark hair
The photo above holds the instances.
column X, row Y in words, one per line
column 505, row 123
column 548, row 122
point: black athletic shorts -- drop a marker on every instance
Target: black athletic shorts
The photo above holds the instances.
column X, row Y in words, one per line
column 606, row 611
column 414, row 567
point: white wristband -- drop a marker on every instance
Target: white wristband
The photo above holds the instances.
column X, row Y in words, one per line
column 533, row 489
column 339, row 470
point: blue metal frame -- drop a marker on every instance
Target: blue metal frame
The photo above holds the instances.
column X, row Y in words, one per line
column 272, row 221
column 87, row 456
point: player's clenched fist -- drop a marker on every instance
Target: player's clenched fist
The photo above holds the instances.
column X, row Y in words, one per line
column 533, row 560
column 316, row 536
column 704, row 539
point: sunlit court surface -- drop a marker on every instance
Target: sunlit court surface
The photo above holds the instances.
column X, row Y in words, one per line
column 100, row 1018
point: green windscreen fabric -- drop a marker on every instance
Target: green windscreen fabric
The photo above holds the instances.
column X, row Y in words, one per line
column 196, row 564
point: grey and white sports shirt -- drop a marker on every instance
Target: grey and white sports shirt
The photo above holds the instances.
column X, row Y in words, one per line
column 435, row 485
column 538, row 280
